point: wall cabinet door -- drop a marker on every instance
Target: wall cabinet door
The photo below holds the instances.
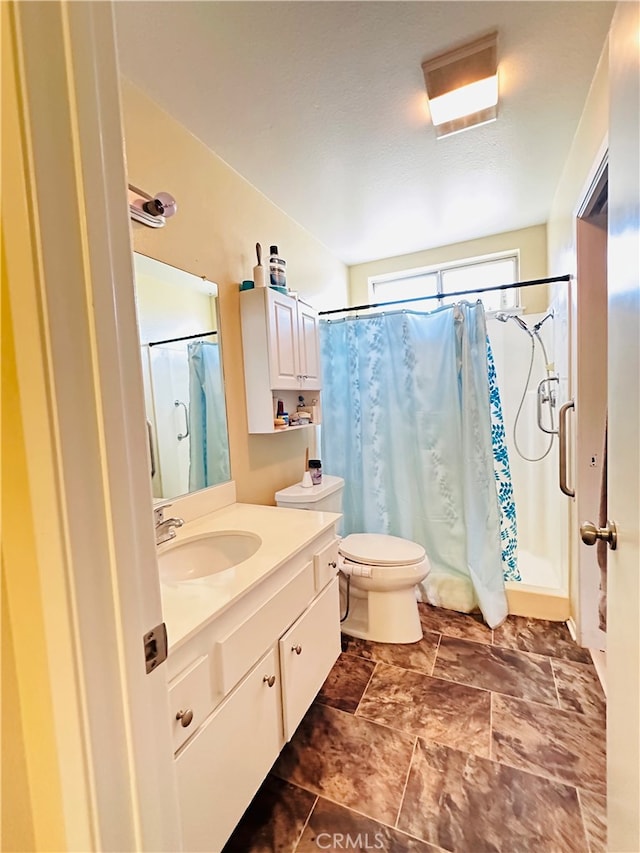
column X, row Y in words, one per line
column 307, row 652
column 283, row 341
column 308, row 346
column 222, row 767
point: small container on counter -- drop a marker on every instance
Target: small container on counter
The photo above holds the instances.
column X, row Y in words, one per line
column 315, row 469
column 277, row 270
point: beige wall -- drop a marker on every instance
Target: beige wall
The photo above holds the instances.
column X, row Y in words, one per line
column 587, row 147
column 532, row 243
column 220, row 218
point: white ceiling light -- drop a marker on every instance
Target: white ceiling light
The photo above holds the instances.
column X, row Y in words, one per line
column 462, row 86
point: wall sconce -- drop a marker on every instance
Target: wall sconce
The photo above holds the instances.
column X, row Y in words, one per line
column 462, row 86
column 150, row 210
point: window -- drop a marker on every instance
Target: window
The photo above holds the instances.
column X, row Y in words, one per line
column 466, row 276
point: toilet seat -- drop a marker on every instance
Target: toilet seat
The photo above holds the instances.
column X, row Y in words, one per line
column 380, row 549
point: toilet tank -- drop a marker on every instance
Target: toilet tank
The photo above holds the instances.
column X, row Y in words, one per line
column 325, row 497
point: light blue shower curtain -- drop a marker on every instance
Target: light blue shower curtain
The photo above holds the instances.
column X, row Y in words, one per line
column 209, row 446
column 407, row 423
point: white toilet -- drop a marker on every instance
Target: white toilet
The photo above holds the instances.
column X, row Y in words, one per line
column 382, row 570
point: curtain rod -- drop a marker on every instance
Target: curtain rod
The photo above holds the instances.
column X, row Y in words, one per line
column 183, row 338
column 531, row 283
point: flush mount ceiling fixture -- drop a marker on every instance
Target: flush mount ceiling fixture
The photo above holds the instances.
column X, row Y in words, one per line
column 462, row 85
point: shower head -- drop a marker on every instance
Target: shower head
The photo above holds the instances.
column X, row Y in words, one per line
column 537, row 326
column 502, row 318
column 521, row 323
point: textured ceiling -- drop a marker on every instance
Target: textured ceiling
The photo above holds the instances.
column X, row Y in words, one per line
column 321, row 106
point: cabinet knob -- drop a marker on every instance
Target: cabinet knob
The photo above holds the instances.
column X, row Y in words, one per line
column 185, row 717
column 333, row 565
column 297, row 649
column 269, row 679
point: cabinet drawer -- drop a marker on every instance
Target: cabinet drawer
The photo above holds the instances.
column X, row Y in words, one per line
column 189, row 695
column 325, row 565
column 222, row 767
column 307, row 652
column 236, row 652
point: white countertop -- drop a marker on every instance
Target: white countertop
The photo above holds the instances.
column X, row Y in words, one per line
column 187, row 606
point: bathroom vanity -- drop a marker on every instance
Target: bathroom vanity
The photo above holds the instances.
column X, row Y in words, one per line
column 249, row 648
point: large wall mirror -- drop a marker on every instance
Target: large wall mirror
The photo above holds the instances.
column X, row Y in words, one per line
column 183, row 379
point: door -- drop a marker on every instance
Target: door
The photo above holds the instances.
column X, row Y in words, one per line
column 307, row 652
column 283, row 341
column 223, row 765
column 107, row 741
column 623, row 635
column 591, row 397
column 308, row 346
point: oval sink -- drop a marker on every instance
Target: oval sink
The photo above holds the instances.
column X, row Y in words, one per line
column 206, row 554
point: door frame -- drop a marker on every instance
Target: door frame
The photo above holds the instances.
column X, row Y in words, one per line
column 590, row 395
column 81, row 404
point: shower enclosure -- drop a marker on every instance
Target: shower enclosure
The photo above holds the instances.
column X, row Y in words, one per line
column 525, row 350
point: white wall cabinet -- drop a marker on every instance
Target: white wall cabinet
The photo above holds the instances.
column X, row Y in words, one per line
column 281, row 354
column 244, row 682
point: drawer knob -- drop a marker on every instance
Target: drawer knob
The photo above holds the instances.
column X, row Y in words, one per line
column 333, row 565
column 185, row 717
column 269, row 679
column 297, row 649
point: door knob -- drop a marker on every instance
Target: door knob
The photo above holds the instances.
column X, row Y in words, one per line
column 590, row 534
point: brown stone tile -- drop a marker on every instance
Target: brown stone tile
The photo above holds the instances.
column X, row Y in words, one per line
column 350, row 760
column 579, row 688
column 419, row 656
column 501, row 670
column 565, row 746
column 469, row 804
column 463, row 626
column 437, row 710
column 274, row 819
column 334, row 828
column 594, row 814
column 540, row 637
column 345, row 684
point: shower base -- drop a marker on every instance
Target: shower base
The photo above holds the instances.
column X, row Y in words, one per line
column 540, row 594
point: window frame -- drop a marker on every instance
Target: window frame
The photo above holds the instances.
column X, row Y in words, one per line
column 439, row 269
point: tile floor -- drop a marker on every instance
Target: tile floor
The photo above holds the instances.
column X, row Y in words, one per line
column 469, row 741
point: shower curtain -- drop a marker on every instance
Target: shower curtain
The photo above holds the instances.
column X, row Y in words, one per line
column 407, row 423
column 208, row 449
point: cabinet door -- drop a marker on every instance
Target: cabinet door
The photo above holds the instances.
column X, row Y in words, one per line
column 222, row 767
column 307, row 652
column 284, row 367
column 309, row 346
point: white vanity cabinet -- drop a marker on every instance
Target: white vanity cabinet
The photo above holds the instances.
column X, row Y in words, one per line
column 244, row 682
column 281, row 354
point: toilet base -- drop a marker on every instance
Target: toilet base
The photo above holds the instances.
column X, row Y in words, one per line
column 383, row 617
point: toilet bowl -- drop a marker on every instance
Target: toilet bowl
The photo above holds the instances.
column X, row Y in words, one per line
column 379, row 572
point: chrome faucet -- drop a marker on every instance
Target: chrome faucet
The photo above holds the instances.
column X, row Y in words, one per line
column 165, row 527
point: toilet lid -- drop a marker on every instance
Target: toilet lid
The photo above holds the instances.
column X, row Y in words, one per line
column 378, row 549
